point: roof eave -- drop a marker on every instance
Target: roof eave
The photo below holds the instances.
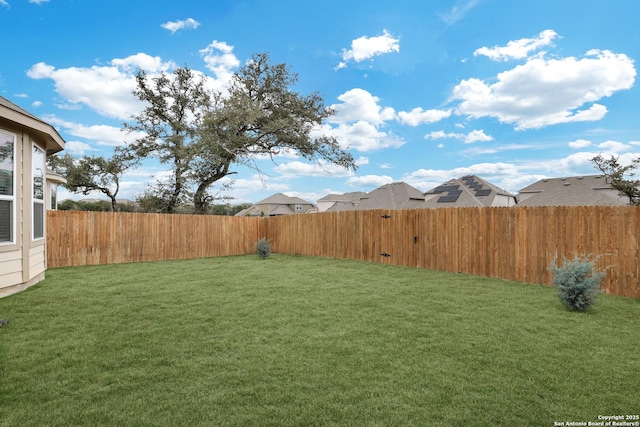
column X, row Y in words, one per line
column 53, row 140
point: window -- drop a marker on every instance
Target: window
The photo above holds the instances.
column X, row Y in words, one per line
column 37, row 168
column 298, row 208
column 7, row 187
column 53, row 190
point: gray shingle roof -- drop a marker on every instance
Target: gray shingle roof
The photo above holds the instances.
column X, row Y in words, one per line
column 397, row 195
column 589, row 190
column 282, row 199
column 277, row 204
column 468, row 191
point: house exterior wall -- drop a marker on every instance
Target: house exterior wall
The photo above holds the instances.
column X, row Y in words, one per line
column 22, row 262
column 10, row 268
column 502, row 200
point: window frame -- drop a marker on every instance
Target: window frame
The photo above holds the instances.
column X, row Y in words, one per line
column 35, row 201
column 12, row 199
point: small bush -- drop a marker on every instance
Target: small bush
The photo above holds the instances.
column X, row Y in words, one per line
column 578, row 282
column 263, row 248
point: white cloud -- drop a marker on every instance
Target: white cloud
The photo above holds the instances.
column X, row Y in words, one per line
column 76, row 147
column 5, row 4
column 38, row 1
column 418, row 116
column 101, row 134
column 544, row 92
column 439, row 134
column 151, row 64
column 457, row 12
column 426, row 179
column 477, row 135
column 360, row 136
column 220, row 60
column 579, row 143
column 358, row 121
column 369, row 181
column 105, row 89
column 518, row 49
column 473, row 136
column 69, row 107
column 515, row 183
column 174, row 26
column 574, row 164
column 364, row 48
column 296, row 169
column 358, row 104
column 483, row 150
column 36, row 104
column 614, row 146
column 108, row 89
column 362, row 161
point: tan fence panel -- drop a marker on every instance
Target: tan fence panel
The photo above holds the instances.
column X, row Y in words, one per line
column 517, row 243
column 509, row 243
column 89, row 238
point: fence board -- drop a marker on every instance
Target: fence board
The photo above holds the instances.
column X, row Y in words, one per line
column 516, row 243
column 90, row 238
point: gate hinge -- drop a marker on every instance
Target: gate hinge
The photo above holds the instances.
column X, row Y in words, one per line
column 384, row 254
column 386, row 216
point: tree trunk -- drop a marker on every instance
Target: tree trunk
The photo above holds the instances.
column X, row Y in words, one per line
column 200, row 196
column 114, row 204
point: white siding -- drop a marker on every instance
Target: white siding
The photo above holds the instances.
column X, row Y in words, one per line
column 10, row 268
column 37, row 260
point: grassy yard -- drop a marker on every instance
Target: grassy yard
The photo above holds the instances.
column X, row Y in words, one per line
column 308, row 341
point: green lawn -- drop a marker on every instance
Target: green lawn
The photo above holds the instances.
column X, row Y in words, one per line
column 308, row 341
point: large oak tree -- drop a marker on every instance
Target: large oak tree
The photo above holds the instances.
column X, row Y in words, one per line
column 173, row 107
column 202, row 134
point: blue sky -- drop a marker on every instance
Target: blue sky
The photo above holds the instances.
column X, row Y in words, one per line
column 424, row 91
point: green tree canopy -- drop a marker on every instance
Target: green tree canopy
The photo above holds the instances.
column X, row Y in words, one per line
column 202, row 134
column 262, row 115
column 174, row 105
column 620, row 177
column 93, row 173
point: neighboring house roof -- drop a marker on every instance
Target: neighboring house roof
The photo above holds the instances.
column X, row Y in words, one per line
column 397, row 195
column 13, row 113
column 354, row 196
column 340, row 202
column 468, row 191
column 589, row 190
column 278, row 204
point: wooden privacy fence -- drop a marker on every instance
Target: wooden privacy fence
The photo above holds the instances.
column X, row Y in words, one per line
column 89, row 238
column 509, row 243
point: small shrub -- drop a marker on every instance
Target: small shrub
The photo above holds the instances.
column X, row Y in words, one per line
column 263, row 248
column 578, row 282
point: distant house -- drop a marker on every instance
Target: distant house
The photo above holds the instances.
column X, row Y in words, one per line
column 590, row 190
column 339, row 202
column 25, row 194
column 278, row 204
column 397, row 195
column 468, row 191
